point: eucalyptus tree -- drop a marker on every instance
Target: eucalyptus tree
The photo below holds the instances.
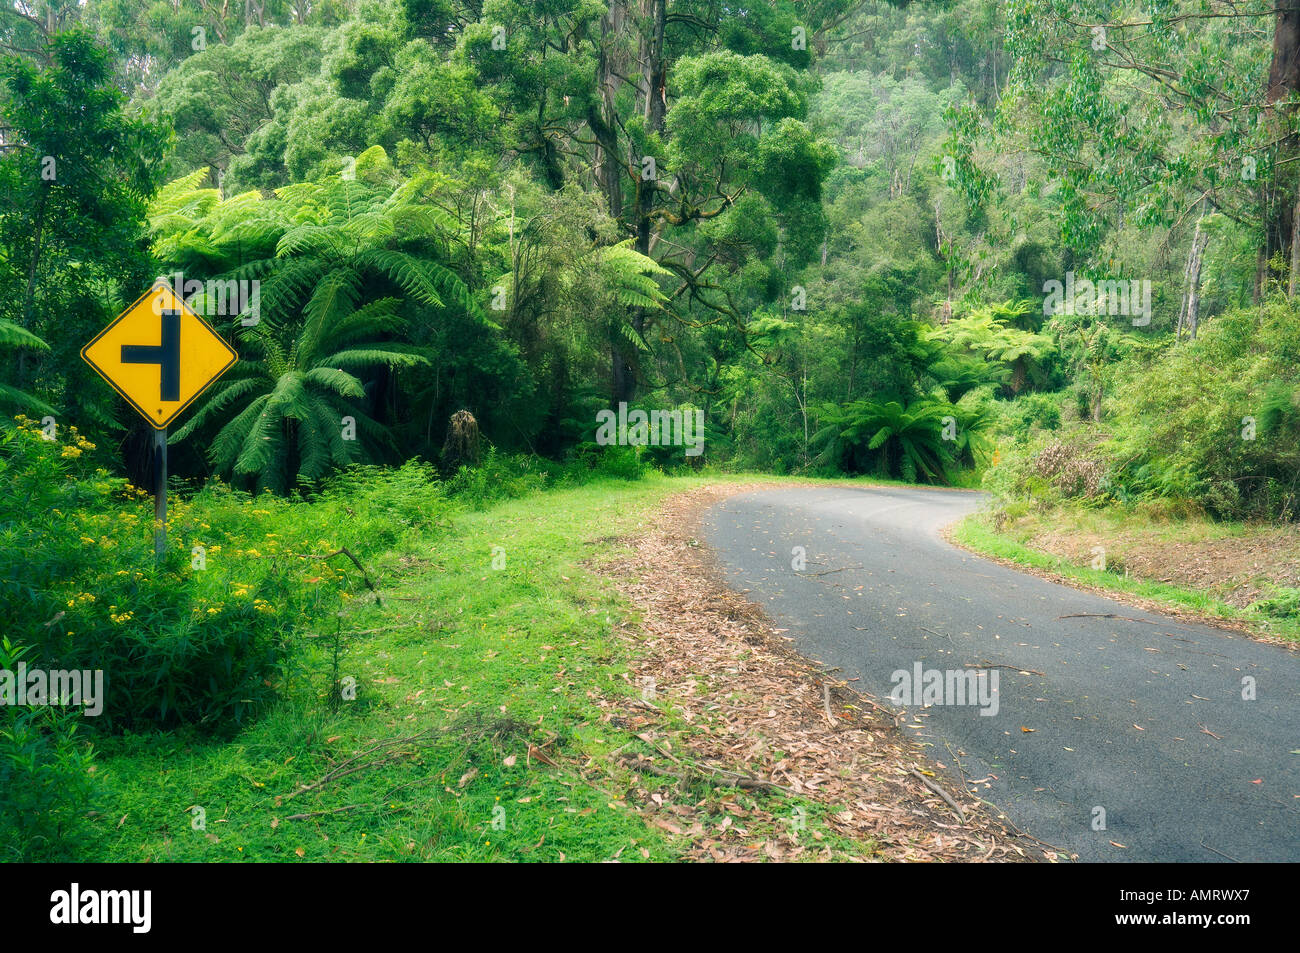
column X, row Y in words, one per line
column 664, row 107
column 1153, row 116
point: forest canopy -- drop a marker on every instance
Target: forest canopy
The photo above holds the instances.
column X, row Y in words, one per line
column 922, row 240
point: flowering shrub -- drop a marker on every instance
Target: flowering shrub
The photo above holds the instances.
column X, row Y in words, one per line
column 200, row 638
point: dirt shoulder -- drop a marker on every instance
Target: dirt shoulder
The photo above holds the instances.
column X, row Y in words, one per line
column 1239, row 568
column 731, row 698
column 1237, row 576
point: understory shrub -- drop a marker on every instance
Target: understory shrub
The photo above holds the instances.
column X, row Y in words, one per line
column 204, row 636
column 46, row 779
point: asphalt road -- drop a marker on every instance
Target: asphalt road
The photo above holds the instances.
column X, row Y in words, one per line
column 1121, row 715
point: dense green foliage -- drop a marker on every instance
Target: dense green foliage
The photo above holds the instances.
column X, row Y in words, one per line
column 245, row 609
column 797, row 218
column 787, row 216
column 857, row 236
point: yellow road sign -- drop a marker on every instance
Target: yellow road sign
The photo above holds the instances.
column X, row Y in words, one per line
column 159, row 354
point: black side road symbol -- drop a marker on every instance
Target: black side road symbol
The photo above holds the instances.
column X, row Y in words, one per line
column 166, row 355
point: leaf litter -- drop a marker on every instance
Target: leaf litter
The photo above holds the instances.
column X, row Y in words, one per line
column 757, row 716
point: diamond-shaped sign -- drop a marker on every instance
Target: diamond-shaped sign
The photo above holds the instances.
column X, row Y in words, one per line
column 159, row 354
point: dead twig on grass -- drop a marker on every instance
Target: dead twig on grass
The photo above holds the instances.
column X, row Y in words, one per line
column 351, row 765
column 344, row 551
column 336, row 810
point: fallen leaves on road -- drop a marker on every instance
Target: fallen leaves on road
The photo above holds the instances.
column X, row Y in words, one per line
column 757, row 716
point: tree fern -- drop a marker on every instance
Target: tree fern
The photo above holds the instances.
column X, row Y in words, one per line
column 887, row 437
column 12, row 336
column 339, row 281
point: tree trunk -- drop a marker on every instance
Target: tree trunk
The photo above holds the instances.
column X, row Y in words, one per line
column 655, row 78
column 940, row 240
column 38, row 228
column 656, row 67
column 603, row 122
column 1284, row 72
column 654, row 88
column 1283, row 81
column 1295, row 251
column 1261, row 275
column 1194, row 284
column 1189, row 310
column 29, row 295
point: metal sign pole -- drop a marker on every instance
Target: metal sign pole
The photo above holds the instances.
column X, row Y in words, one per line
column 160, row 492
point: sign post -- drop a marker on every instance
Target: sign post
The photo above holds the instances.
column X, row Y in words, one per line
column 159, row 354
column 160, row 492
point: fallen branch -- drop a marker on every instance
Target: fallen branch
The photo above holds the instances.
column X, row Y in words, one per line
column 334, row 776
column 826, row 705
column 1107, row 615
column 933, row 632
column 1010, row 668
column 344, row 551
column 386, row 628
column 896, row 715
column 350, row 766
column 336, row 810
column 1220, row 853
column 938, row 789
column 827, row 572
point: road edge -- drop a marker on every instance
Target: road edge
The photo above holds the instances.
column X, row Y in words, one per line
column 961, row 534
column 706, row 619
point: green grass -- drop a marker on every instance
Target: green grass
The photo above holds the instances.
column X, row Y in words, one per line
column 976, row 533
column 474, row 664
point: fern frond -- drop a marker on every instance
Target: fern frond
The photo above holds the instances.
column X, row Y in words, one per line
column 14, row 335
column 13, row 397
column 216, row 403
column 338, row 381
column 404, row 270
column 230, row 439
column 389, row 355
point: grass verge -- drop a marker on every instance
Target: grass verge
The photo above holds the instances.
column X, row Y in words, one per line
column 474, row 732
column 978, row 533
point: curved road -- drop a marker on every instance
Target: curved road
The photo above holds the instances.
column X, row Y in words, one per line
column 1141, row 716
